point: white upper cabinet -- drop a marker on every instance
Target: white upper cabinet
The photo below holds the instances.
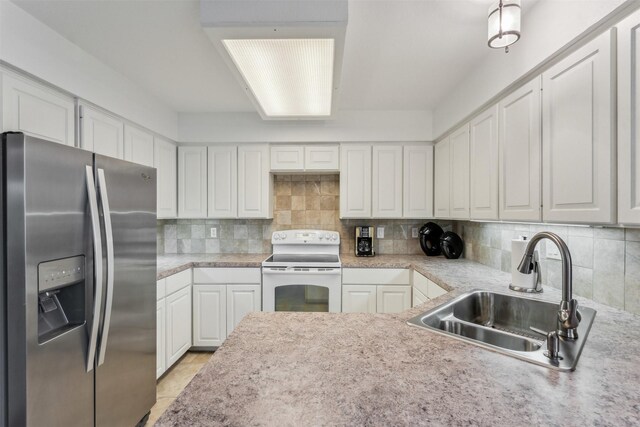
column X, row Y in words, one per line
column 166, row 164
column 223, row 182
column 442, row 179
column 37, row 111
column 578, row 135
column 387, row 181
column 355, row 181
column 483, row 169
column 418, row 181
column 459, row 171
column 287, row 158
column 629, row 120
column 322, row 158
column 101, row 132
column 254, row 182
column 192, row 182
column 520, row 152
column 138, row 146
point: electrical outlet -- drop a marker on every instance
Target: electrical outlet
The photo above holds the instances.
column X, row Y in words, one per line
column 552, row 251
column 380, row 231
column 213, row 232
column 414, row 232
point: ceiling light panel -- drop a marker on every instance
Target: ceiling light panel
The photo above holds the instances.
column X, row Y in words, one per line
column 288, row 77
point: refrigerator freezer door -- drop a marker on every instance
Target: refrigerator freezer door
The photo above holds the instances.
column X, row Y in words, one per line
column 47, row 221
column 126, row 378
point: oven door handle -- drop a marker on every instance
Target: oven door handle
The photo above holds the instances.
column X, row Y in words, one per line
column 319, row 271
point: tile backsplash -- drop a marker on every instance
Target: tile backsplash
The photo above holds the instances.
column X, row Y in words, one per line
column 300, row 201
column 606, row 261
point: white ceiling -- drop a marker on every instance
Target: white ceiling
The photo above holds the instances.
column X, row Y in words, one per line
column 399, row 54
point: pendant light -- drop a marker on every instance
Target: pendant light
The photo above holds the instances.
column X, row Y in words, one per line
column 504, row 24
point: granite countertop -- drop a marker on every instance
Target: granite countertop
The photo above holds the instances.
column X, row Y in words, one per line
column 172, row 264
column 374, row 369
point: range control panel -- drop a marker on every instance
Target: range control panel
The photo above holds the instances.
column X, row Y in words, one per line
column 61, row 272
column 306, row 237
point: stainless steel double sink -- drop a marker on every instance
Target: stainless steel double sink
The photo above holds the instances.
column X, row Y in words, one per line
column 508, row 324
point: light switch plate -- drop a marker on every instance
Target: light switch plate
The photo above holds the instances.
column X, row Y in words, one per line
column 414, row 232
column 380, row 232
column 213, row 232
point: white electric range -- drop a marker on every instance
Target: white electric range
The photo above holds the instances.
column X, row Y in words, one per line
column 304, row 273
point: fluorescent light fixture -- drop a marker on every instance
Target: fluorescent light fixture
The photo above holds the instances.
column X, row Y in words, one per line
column 288, row 77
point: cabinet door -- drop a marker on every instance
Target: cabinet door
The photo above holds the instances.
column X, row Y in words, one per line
column 442, row 179
column 138, row 146
column 192, row 182
column 578, row 138
column 101, row 132
column 459, row 199
column 359, row 298
column 520, row 152
column 209, row 315
column 287, row 158
column 629, row 120
column 254, row 182
column 418, row 297
column 393, row 299
column 483, row 168
column 387, row 181
column 37, row 111
column 178, row 325
column 355, row 181
column 165, row 162
column 241, row 299
column 322, row 158
column 223, row 182
column 161, row 343
column 418, row 181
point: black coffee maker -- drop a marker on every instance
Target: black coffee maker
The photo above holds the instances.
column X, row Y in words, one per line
column 364, row 241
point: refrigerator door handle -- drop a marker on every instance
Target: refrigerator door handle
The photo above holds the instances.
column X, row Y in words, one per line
column 97, row 262
column 106, row 212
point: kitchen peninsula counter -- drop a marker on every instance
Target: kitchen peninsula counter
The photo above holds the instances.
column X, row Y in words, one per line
column 373, row 369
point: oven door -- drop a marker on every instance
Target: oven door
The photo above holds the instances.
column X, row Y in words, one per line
column 302, row 289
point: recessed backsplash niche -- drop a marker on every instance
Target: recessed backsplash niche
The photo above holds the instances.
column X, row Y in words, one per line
column 300, row 201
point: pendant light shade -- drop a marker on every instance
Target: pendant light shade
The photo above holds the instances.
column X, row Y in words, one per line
column 504, row 24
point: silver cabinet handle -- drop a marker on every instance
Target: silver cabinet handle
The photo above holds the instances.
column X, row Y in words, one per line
column 108, row 231
column 97, row 262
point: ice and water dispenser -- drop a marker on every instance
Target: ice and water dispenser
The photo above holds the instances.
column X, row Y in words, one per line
column 61, row 296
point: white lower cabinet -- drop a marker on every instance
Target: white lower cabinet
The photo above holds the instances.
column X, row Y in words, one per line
column 424, row 289
column 209, row 315
column 161, row 343
column 375, row 290
column 393, row 299
column 241, row 300
column 359, row 298
column 221, row 298
column 178, row 306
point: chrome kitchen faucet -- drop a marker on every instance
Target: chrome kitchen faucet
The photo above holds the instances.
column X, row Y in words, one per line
column 568, row 320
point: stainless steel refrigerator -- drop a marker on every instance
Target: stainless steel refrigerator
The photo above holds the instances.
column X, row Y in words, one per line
column 78, row 296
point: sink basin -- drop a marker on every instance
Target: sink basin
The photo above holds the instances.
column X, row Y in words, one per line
column 507, row 324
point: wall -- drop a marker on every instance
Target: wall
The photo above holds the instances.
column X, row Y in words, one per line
column 33, row 47
column 301, row 201
column 606, row 261
column 348, row 126
column 545, row 29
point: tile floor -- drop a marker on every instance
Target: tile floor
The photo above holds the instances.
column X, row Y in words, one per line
column 175, row 380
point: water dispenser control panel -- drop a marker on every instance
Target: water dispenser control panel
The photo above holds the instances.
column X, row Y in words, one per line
column 59, row 273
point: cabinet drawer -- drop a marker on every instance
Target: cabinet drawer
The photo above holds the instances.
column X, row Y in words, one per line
column 375, row 276
column 227, row 275
column 161, row 288
column 178, row 281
